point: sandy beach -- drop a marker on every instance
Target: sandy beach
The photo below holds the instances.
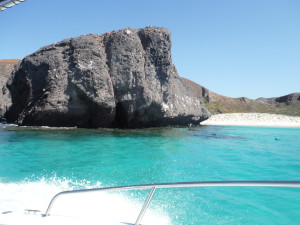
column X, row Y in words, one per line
column 253, row 119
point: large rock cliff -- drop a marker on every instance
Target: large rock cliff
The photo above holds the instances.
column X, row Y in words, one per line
column 120, row 79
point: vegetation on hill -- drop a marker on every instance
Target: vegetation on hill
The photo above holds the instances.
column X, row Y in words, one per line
column 216, row 104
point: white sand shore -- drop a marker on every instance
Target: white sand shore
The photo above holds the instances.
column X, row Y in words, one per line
column 253, row 119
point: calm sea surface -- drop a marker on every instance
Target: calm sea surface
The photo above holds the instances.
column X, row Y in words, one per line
column 37, row 163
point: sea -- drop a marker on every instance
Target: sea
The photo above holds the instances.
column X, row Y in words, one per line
column 38, row 162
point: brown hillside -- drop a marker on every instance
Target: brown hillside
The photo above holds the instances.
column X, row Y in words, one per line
column 6, row 68
column 217, row 104
column 9, row 61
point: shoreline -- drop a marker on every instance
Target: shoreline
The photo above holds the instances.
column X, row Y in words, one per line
column 252, row 119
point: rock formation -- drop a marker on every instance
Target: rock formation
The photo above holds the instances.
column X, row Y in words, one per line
column 289, row 99
column 6, row 69
column 120, row 79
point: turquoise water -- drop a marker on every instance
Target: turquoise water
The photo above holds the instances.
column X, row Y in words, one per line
column 128, row 157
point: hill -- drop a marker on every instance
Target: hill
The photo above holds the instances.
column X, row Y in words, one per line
column 216, row 103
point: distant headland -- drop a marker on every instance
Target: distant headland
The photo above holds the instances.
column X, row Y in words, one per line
column 219, row 104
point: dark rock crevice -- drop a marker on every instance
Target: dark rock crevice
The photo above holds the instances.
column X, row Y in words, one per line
column 20, row 92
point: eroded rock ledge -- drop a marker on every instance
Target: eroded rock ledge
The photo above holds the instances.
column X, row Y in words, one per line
column 120, row 79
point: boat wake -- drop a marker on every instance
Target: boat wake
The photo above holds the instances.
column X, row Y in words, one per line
column 94, row 207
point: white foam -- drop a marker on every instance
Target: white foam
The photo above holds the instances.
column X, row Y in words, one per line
column 89, row 207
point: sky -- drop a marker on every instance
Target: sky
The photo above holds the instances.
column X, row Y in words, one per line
column 237, row 48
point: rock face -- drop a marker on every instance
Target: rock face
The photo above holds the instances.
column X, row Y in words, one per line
column 6, row 69
column 290, row 99
column 217, row 104
column 120, row 79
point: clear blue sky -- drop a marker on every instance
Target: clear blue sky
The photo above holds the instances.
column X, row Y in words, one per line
column 233, row 47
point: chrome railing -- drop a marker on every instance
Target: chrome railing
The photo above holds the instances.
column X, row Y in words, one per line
column 153, row 188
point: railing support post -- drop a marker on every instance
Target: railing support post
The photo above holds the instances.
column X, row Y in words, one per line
column 145, row 206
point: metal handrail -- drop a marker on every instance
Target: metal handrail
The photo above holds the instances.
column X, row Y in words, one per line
column 153, row 187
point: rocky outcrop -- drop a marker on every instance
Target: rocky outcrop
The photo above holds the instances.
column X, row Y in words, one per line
column 120, row 79
column 289, row 99
column 217, row 104
column 200, row 92
column 6, row 69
